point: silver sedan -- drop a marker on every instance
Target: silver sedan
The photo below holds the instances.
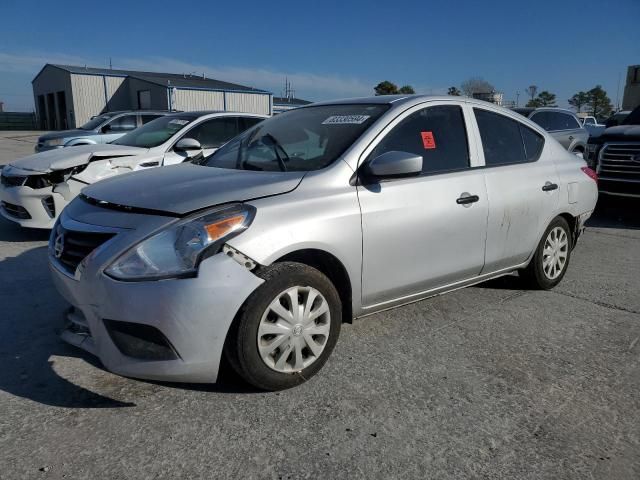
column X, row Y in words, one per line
column 312, row 218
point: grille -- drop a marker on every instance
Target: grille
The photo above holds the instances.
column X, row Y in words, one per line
column 618, row 162
column 49, row 205
column 15, row 211
column 10, row 181
column 70, row 247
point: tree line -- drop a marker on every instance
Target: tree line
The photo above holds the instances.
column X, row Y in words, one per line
column 595, row 102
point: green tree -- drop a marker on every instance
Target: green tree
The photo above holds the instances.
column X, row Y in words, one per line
column 579, row 100
column 598, row 102
column 386, row 88
column 454, row 92
column 547, row 99
column 407, row 90
column 544, row 99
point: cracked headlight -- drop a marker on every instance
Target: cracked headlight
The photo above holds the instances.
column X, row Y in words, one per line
column 53, row 142
column 177, row 250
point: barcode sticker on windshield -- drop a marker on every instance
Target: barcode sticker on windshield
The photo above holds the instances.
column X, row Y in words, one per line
column 346, row 120
column 177, row 121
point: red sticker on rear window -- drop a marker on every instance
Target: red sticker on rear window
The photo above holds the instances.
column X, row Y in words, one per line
column 428, row 141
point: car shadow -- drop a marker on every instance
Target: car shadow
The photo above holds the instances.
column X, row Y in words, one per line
column 32, row 318
column 616, row 212
column 32, row 311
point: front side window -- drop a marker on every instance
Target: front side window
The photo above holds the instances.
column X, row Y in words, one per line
column 95, row 122
column 121, row 124
column 215, row 132
column 437, row 134
column 589, row 121
column 156, row 132
column 506, row 141
column 299, row 140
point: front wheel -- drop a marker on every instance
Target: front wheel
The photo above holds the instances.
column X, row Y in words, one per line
column 287, row 328
column 551, row 258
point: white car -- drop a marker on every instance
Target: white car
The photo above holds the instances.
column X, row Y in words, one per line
column 36, row 188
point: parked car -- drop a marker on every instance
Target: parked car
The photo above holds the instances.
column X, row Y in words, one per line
column 313, row 217
column 617, row 118
column 562, row 124
column 100, row 129
column 616, row 157
column 35, row 189
column 592, row 125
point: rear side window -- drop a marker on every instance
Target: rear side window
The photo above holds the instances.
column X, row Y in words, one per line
column 506, row 141
column 554, row 121
column 438, row 134
column 214, row 133
column 246, row 123
column 148, row 117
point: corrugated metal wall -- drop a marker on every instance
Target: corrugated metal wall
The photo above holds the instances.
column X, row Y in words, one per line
column 248, row 102
column 188, row 100
column 88, row 96
column 113, row 83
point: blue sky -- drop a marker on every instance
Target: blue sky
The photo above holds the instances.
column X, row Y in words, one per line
column 329, row 49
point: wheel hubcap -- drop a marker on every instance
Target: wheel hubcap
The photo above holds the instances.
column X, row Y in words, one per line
column 554, row 254
column 294, row 329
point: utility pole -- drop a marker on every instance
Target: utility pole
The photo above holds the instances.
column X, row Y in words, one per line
column 517, row 99
column 110, row 64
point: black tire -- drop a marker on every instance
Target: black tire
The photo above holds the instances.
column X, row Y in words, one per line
column 241, row 346
column 534, row 275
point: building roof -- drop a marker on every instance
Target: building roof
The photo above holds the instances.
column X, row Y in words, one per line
column 290, row 101
column 164, row 79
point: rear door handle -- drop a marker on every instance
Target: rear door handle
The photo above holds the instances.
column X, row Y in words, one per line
column 467, row 198
column 547, row 187
column 570, row 137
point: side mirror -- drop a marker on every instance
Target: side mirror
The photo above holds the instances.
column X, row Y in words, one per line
column 106, row 128
column 395, row 164
column 188, row 144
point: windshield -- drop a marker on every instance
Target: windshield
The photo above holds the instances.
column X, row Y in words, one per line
column 299, row 140
column 156, row 132
column 633, row 118
column 95, row 122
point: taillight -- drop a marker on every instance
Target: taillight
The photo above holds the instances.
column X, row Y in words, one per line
column 590, row 173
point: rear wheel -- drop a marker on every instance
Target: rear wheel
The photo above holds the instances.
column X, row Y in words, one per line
column 551, row 258
column 287, row 328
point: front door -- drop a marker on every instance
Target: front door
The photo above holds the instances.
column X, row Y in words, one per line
column 211, row 134
column 423, row 232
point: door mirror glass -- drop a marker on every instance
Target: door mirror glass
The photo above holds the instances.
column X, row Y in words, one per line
column 188, row 145
column 395, row 164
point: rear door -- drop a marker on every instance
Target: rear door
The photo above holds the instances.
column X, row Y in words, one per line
column 422, row 232
column 522, row 188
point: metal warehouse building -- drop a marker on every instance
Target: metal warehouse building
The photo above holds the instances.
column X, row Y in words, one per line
column 66, row 96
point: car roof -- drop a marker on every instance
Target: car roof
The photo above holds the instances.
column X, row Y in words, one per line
column 202, row 113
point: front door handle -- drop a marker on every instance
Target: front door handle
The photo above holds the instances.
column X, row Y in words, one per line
column 547, row 187
column 467, row 198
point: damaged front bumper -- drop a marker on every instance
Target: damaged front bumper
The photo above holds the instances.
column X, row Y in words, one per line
column 32, row 208
column 170, row 330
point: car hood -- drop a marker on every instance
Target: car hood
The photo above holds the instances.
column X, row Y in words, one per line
column 66, row 134
column 623, row 132
column 63, row 158
column 184, row 188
